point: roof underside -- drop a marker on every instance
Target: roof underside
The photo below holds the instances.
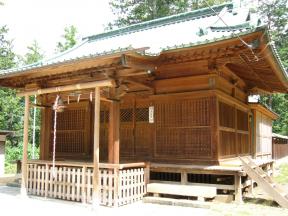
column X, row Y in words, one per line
column 194, row 36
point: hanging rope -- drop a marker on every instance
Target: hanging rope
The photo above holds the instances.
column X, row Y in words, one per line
column 34, row 128
column 55, row 107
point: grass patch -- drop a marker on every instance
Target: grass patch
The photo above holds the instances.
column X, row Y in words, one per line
column 282, row 178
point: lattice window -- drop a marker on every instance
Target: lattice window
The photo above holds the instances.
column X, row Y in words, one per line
column 126, row 115
column 142, row 114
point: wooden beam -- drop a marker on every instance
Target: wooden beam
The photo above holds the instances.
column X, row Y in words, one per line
column 79, row 86
column 96, row 172
column 25, row 148
column 234, row 76
column 129, row 61
column 141, row 84
column 114, row 127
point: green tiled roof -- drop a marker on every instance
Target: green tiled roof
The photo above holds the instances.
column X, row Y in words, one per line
column 192, row 15
column 174, row 32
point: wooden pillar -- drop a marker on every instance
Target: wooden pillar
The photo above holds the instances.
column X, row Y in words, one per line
column 96, row 171
column 25, row 148
column 238, row 188
column 254, row 134
column 114, row 127
column 44, row 151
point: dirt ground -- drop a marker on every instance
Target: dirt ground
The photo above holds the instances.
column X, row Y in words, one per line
column 13, row 204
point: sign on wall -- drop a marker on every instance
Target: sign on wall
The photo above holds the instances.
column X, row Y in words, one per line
column 151, row 114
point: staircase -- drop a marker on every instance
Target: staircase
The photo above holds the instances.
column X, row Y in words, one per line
column 264, row 181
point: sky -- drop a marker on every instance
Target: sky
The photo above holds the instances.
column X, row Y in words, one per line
column 45, row 20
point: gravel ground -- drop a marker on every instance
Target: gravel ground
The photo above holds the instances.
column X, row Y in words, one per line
column 13, row 204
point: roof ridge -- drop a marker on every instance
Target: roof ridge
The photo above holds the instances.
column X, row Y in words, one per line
column 161, row 21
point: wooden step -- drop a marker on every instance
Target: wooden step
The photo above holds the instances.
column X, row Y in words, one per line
column 265, row 182
column 182, row 190
column 176, row 202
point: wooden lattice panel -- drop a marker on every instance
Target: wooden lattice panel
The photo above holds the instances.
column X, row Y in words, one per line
column 226, row 115
column 183, row 113
column 72, row 135
column 183, row 128
column 144, row 131
column 242, row 120
column 243, row 143
column 234, row 134
column 127, row 131
column 227, row 143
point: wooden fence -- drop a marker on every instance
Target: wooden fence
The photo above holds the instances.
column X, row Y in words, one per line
column 119, row 184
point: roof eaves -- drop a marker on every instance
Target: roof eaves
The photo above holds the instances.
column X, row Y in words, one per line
column 276, row 55
column 191, row 15
column 105, row 53
column 198, row 43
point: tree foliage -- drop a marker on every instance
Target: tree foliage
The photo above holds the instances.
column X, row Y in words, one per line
column 275, row 13
column 11, row 107
column 69, row 37
column 7, row 56
column 134, row 11
column 34, row 53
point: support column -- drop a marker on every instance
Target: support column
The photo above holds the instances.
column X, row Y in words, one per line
column 25, row 148
column 96, row 171
column 238, row 188
column 114, row 127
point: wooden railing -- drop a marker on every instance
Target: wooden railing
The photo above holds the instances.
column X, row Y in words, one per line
column 120, row 184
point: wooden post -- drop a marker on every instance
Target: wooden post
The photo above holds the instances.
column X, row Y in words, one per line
column 184, row 177
column 254, row 135
column 147, row 174
column 25, row 148
column 238, row 188
column 114, row 127
column 84, row 191
column 116, row 186
column 96, row 172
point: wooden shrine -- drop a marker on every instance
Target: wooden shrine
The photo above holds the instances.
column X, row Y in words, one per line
column 152, row 111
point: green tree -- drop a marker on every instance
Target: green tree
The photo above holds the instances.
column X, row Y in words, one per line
column 130, row 11
column 11, row 107
column 70, row 39
column 7, row 56
column 34, row 53
column 275, row 13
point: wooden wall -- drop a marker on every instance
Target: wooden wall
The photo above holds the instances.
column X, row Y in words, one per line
column 263, row 135
column 178, row 131
column 194, row 119
column 280, row 147
column 234, row 131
